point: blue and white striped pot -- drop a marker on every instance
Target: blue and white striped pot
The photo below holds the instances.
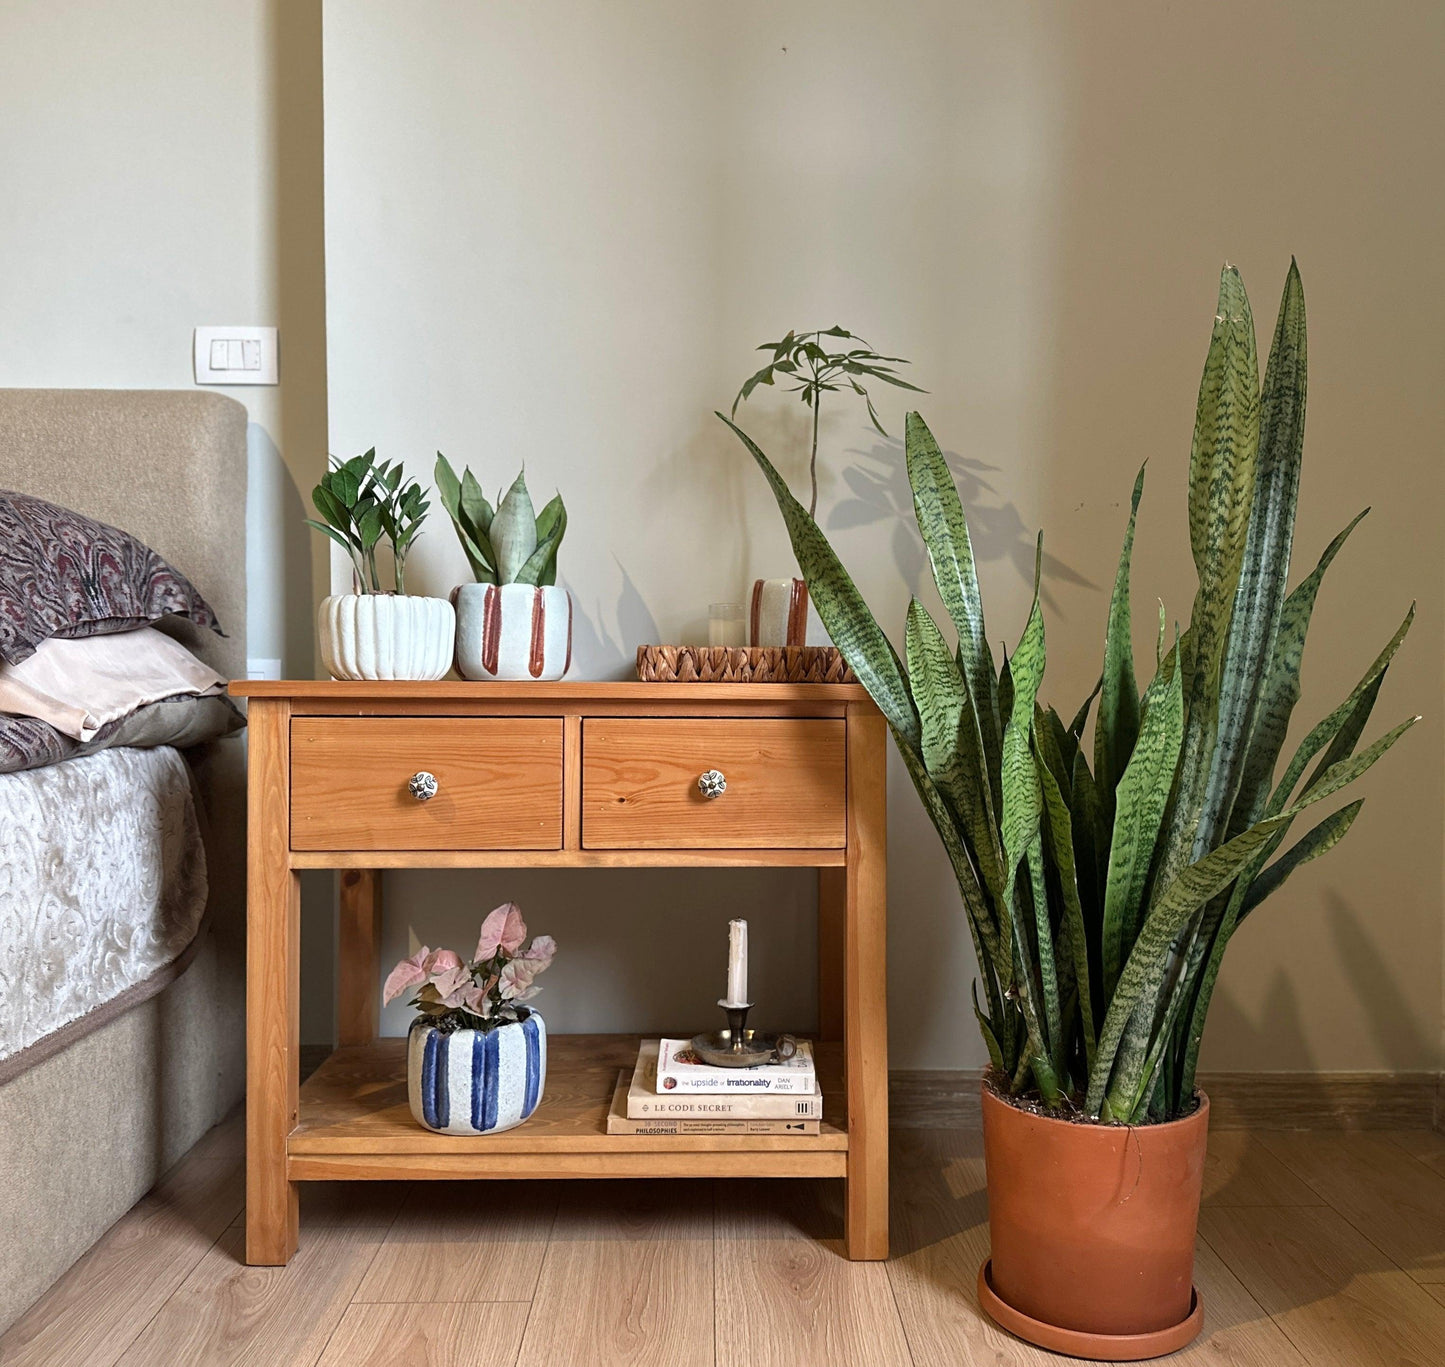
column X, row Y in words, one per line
column 476, row 1081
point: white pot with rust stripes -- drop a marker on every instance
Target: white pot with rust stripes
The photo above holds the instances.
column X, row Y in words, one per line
column 513, row 632
column 779, row 613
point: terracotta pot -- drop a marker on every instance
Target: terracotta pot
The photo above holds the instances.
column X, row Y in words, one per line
column 1093, row 1230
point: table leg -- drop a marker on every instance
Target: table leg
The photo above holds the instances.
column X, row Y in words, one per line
column 273, row 985
column 358, row 991
column 832, row 928
column 865, row 986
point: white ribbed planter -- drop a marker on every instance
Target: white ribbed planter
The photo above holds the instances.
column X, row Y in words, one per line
column 386, row 636
column 476, row 1081
column 513, row 631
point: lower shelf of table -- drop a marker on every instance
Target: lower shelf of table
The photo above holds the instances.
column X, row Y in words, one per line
column 354, row 1123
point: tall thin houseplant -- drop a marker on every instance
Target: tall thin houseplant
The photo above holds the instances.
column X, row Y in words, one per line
column 1101, row 890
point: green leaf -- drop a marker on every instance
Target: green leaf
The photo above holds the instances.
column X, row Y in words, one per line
column 1117, row 726
column 949, row 746
column 1260, row 594
column 1221, row 490
column 513, row 531
column 369, row 528
column 1280, row 691
column 950, row 551
column 336, row 536
column 331, row 508
column 475, row 508
column 1171, row 911
column 551, row 527
column 1320, row 839
column 846, row 616
column 1058, row 830
column 1143, row 794
column 1325, row 732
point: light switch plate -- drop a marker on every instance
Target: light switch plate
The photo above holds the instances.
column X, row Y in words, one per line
column 235, row 355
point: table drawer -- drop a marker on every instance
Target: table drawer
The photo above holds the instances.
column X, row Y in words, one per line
column 786, row 784
column 499, row 783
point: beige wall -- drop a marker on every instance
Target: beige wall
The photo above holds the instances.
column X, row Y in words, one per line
column 556, row 231
column 160, row 167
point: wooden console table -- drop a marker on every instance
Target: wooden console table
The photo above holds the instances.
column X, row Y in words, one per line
column 559, row 775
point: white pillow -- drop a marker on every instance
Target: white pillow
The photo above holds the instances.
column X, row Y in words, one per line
column 78, row 686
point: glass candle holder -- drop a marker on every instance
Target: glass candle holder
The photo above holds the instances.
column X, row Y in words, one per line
column 725, row 624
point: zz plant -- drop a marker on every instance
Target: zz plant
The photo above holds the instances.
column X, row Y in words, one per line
column 365, row 502
column 1102, row 889
column 511, row 545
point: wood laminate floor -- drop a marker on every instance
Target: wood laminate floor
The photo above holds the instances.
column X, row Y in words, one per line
column 1319, row 1248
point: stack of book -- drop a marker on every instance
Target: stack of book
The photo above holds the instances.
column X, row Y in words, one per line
column 671, row 1091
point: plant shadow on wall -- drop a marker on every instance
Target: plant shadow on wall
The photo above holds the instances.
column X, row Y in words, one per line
column 596, row 652
column 879, row 495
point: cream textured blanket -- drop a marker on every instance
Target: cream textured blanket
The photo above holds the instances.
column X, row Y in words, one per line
column 102, row 885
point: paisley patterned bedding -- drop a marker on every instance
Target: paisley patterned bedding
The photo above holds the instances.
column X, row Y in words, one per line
column 102, row 885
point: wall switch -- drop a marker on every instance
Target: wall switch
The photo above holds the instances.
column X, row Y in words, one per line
column 235, row 355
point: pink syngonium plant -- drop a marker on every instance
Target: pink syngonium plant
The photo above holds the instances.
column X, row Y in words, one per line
column 484, row 993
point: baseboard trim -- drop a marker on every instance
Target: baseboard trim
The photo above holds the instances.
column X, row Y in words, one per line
column 948, row 1099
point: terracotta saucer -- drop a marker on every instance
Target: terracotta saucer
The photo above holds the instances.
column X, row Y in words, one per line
column 1080, row 1344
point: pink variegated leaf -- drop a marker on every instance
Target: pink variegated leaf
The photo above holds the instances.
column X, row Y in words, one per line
column 503, row 929
column 442, row 959
column 408, row 973
column 450, row 984
column 478, row 1001
column 540, row 951
column 516, row 979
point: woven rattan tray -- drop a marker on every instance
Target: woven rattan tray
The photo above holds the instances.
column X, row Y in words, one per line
column 742, row 664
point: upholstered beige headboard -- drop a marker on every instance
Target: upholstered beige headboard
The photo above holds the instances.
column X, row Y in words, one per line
column 168, row 466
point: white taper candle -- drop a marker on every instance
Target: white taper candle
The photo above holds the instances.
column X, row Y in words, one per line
column 737, row 964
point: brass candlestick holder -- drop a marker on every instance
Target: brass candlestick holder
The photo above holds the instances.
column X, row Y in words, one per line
column 739, row 1047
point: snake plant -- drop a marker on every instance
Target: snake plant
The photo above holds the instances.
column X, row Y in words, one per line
column 1102, row 884
column 511, row 545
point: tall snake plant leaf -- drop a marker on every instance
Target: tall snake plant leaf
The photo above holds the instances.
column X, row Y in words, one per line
column 1117, row 726
column 1280, row 691
column 1051, row 972
column 1058, row 827
column 514, row 531
column 990, row 940
column 1205, row 955
column 950, row 744
column 1143, row 793
column 1324, row 732
column 1171, row 911
column 1221, row 490
column 851, row 625
column 1021, row 815
column 950, row 551
column 1322, row 838
column 1264, row 574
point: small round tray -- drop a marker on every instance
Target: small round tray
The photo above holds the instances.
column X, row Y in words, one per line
column 717, row 1047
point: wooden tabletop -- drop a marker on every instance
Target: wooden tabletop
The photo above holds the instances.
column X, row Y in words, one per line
column 444, row 690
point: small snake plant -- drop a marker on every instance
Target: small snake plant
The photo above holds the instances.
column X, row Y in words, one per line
column 510, row 545
column 1101, row 897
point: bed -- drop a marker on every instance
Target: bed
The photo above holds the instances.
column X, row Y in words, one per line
column 122, row 882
